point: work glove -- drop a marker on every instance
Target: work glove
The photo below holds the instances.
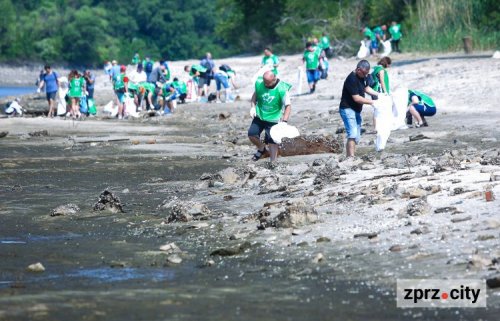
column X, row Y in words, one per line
column 38, row 90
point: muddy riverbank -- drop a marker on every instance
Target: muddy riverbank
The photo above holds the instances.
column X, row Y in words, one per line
column 318, row 237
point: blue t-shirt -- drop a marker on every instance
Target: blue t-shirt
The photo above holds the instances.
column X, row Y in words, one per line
column 115, row 72
column 91, row 85
column 50, row 82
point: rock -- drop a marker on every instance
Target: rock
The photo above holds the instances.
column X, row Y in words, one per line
column 396, row 248
column 230, row 251
column 295, row 215
column 39, row 133
column 366, row 166
column 485, row 237
column 117, row 264
column 168, row 203
column 322, row 239
column 418, row 137
column 461, row 219
column 36, row 268
column 210, row 262
column 3, row 134
column 217, row 184
column 229, row 176
column 226, row 156
column 170, row 248
column 174, row 259
column 108, row 201
column 445, row 209
column 421, row 230
column 370, row 235
column 328, row 175
column 307, row 145
column 318, row 258
column 489, row 140
column 228, row 197
column 126, row 191
column 479, row 262
column 493, row 282
column 63, row 210
column 188, row 211
column 495, row 177
column 417, row 207
column 415, row 193
column 318, row 162
column 224, row 115
column 299, row 232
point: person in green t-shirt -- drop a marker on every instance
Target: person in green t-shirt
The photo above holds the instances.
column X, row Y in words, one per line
column 380, row 80
column 420, row 105
column 325, row 45
column 312, row 59
column 271, row 60
column 370, row 39
column 270, row 104
column 135, row 59
column 76, row 92
column 181, row 88
column 121, row 90
column 395, row 32
column 146, row 92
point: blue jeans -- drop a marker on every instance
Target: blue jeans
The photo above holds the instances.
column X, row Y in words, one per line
column 221, row 80
column 352, row 123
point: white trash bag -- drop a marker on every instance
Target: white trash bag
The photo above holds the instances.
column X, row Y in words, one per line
column 130, row 108
column 386, row 45
column 261, row 72
column 283, row 130
column 61, row 96
column 400, row 106
column 110, row 110
column 384, row 119
column 363, row 51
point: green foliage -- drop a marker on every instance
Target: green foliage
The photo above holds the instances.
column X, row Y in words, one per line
column 88, row 32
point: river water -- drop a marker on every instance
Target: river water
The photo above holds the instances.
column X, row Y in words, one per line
column 16, row 91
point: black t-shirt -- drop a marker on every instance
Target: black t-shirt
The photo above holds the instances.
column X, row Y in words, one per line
column 353, row 85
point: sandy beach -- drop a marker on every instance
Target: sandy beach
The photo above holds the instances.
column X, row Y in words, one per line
column 320, row 232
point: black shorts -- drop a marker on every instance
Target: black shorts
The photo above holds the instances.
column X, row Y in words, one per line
column 258, row 126
column 51, row 96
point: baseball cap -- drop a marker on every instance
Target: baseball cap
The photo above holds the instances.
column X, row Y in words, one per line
column 123, row 68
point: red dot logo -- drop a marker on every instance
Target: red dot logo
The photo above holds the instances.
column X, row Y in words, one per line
column 444, row 296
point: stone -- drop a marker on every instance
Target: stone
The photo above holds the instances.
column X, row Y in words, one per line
column 479, row 262
column 36, row 268
column 229, row 176
column 170, row 248
column 417, row 207
column 224, row 115
column 174, row 259
column 418, row 137
column 461, row 219
column 67, row 209
column 188, row 211
column 369, row 235
column 493, row 282
column 396, row 248
column 39, row 133
column 230, row 251
column 365, row 166
column 295, row 215
column 117, row 264
column 421, row 230
column 416, row 193
column 323, row 239
column 495, row 177
column 3, row 134
column 448, row 209
column 308, row 145
column 318, row 258
column 485, row 237
column 109, row 201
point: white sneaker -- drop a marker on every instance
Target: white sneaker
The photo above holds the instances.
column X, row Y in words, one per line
column 120, row 117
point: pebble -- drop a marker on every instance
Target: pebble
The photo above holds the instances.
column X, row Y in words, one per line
column 461, row 219
column 323, row 239
column 318, row 258
column 36, row 268
column 174, row 259
column 396, row 248
column 170, row 248
column 493, row 282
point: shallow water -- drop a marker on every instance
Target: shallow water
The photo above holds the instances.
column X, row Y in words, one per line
column 16, row 91
column 106, row 266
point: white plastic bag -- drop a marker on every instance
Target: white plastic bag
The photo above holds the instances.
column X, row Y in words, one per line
column 283, row 130
column 363, row 50
column 110, row 110
column 400, row 106
column 384, row 119
column 386, row 45
column 130, row 107
column 61, row 95
column 261, row 72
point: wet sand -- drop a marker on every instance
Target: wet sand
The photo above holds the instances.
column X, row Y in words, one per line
column 418, row 210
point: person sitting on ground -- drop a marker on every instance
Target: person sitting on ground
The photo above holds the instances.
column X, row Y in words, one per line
column 50, row 80
column 76, row 92
column 351, row 104
column 312, row 59
column 271, row 60
column 169, row 94
column 270, row 104
column 14, row 109
column 420, row 105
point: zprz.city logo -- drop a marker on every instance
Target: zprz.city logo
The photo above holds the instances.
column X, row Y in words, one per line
column 435, row 293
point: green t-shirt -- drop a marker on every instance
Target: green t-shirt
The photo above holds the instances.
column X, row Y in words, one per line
column 133, row 86
column 312, row 59
column 377, row 86
column 269, row 102
column 135, row 59
column 148, row 86
column 369, row 34
column 395, row 32
column 325, row 42
column 424, row 98
column 180, row 86
column 76, row 86
column 198, row 68
column 120, row 82
column 271, row 60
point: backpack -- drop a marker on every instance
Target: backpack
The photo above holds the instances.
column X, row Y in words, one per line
column 149, row 67
column 225, row 68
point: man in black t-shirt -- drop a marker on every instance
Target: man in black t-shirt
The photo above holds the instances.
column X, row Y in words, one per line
column 351, row 103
